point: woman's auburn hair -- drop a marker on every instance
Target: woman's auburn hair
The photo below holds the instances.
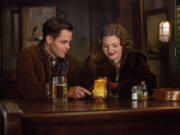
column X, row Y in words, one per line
column 117, row 30
column 97, row 56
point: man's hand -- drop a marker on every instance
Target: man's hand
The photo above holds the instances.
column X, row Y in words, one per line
column 78, row 92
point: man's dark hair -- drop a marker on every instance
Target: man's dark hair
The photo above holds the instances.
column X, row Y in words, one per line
column 54, row 26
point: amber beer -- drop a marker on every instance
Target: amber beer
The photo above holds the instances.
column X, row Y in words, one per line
column 59, row 89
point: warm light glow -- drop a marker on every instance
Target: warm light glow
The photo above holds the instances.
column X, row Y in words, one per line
column 164, row 31
column 99, row 89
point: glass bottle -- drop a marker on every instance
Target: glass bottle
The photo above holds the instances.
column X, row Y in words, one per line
column 144, row 95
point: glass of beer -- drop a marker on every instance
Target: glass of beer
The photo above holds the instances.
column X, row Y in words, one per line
column 59, row 89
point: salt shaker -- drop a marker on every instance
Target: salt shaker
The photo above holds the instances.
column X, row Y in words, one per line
column 134, row 94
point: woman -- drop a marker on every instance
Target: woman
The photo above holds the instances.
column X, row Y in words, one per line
column 122, row 66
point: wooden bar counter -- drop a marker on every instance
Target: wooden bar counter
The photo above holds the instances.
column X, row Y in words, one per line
column 86, row 117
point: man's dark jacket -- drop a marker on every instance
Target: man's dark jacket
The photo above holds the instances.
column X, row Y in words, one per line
column 33, row 72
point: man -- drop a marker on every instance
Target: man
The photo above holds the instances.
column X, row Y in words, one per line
column 37, row 64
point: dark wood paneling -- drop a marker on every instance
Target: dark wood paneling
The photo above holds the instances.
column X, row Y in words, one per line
column 8, row 86
column 94, row 25
column 1, row 34
column 136, row 23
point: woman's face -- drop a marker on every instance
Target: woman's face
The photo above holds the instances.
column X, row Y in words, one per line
column 112, row 48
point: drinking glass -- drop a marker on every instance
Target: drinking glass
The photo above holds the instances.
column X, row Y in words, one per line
column 59, row 89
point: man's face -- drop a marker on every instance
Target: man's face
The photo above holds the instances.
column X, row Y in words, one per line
column 61, row 45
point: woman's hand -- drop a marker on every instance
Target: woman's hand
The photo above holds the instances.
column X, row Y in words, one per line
column 102, row 78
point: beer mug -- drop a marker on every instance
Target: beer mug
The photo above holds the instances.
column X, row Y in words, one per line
column 59, row 89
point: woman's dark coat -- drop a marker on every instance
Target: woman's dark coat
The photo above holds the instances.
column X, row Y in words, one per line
column 133, row 69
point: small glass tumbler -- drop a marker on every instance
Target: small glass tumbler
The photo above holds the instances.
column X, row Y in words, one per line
column 99, row 90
